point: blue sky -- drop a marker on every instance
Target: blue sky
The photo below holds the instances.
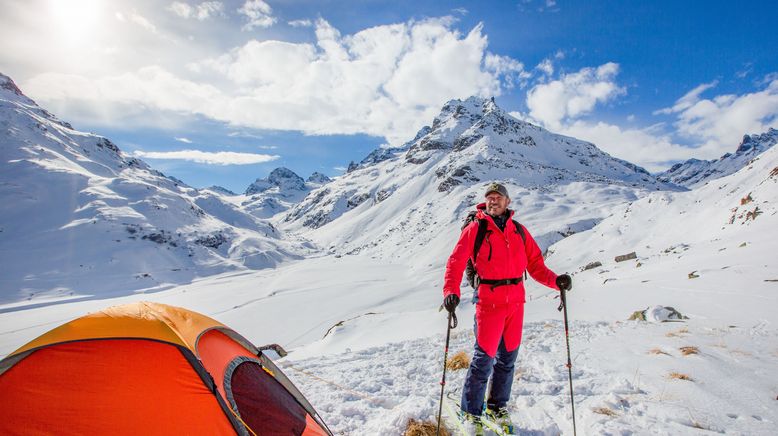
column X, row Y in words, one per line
column 222, row 92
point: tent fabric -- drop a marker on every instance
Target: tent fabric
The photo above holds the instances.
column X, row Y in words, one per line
column 148, row 368
column 261, row 401
column 134, row 387
column 216, row 350
column 141, row 320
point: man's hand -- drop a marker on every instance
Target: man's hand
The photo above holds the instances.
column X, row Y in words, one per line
column 564, row 282
column 450, row 302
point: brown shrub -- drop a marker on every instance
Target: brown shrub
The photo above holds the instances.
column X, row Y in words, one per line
column 459, row 360
column 424, row 428
column 689, row 350
column 604, row 411
column 658, row 351
column 679, row 376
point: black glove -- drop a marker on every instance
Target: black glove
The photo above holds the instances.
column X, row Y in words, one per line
column 450, row 302
column 564, row 283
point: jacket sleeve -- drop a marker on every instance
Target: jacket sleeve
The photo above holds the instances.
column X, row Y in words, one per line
column 535, row 265
column 457, row 262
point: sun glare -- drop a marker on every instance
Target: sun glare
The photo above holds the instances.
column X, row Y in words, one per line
column 73, row 20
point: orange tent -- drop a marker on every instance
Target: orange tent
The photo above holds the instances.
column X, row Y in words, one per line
column 147, row 368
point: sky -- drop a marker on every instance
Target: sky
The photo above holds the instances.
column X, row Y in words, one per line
column 223, row 92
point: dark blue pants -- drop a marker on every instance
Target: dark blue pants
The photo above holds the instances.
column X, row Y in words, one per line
column 500, row 367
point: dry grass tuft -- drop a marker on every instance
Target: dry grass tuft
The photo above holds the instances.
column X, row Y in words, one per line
column 658, row 351
column 689, row 350
column 679, row 376
column 678, row 333
column 605, row 411
column 460, row 360
column 424, row 428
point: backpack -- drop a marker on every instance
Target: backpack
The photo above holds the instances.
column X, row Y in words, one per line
column 479, row 240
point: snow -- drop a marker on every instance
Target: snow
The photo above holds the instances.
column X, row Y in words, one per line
column 356, row 299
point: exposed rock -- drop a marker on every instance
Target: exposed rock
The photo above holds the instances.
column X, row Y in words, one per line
column 591, row 265
column 627, row 256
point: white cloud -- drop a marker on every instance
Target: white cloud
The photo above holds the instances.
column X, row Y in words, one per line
column 385, row 81
column 508, row 68
column 211, row 158
column 142, row 21
column 546, row 67
column 259, row 14
column 688, row 100
column 301, row 23
column 647, row 147
column 201, row 12
column 573, row 95
column 559, row 105
column 184, row 140
column 720, row 123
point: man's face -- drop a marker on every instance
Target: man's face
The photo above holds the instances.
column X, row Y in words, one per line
column 496, row 204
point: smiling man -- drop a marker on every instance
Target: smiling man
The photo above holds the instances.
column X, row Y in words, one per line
column 500, row 250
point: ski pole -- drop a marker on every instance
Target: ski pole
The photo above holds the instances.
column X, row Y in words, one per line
column 563, row 306
column 452, row 323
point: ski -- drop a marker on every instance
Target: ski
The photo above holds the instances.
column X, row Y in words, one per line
column 451, row 406
column 493, row 426
column 454, row 422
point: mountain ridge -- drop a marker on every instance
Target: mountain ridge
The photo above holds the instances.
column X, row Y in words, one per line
column 696, row 172
column 123, row 225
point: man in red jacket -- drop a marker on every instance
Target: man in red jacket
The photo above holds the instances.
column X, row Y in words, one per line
column 500, row 263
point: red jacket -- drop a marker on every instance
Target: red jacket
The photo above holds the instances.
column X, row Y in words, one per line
column 503, row 255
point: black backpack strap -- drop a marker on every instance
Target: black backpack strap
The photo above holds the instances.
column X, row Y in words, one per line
column 520, row 231
column 479, row 237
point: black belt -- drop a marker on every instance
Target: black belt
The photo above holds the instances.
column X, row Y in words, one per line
column 500, row 282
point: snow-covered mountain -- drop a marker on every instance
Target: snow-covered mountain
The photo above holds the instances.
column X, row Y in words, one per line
column 278, row 192
column 82, row 218
column 220, row 190
column 719, row 235
column 364, row 331
column 695, row 172
column 366, row 338
column 400, row 202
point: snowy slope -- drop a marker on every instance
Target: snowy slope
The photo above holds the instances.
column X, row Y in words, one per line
column 626, row 373
column 82, row 218
column 695, row 172
column 409, row 202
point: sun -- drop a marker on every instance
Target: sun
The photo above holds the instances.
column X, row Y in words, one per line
column 73, row 20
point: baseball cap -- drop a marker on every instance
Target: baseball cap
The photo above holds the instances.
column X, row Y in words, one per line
column 498, row 188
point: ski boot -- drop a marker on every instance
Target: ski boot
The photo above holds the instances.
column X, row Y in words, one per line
column 502, row 418
column 471, row 423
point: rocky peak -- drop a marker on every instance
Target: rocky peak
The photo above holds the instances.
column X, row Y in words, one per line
column 8, row 84
column 462, row 123
column 283, row 178
column 695, row 172
column 757, row 143
column 318, row 178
